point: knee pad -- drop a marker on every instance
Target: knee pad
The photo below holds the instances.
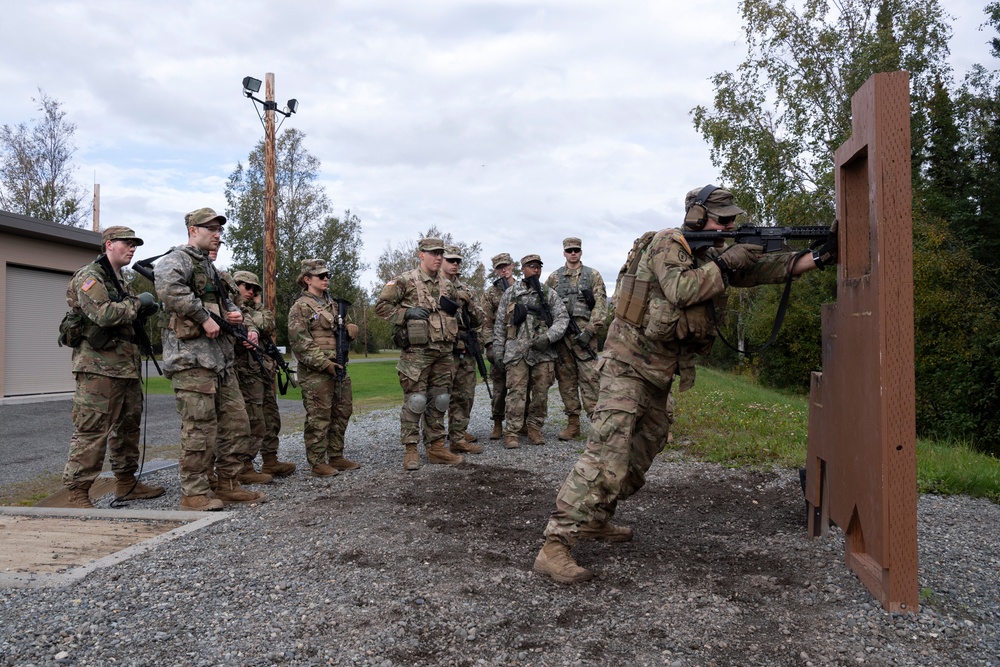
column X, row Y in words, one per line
column 415, row 403
column 441, row 401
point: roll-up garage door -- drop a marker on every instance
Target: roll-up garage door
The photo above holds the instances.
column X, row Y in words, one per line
column 33, row 361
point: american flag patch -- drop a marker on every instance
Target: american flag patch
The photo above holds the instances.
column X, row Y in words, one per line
column 391, row 282
column 90, row 282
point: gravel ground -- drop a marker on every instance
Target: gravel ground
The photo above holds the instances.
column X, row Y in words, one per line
column 382, row 567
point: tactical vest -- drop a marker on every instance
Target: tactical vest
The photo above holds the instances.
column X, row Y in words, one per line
column 441, row 327
column 573, row 298
column 205, row 289
column 100, row 338
column 322, row 328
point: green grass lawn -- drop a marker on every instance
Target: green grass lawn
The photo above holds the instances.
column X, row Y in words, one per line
column 729, row 419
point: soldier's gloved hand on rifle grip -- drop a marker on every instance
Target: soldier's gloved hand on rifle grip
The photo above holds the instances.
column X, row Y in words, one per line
column 540, row 343
column 449, row 306
column 825, row 252
column 352, row 330
column 738, row 256
column 584, row 338
column 333, row 367
column 417, row 313
column 147, row 304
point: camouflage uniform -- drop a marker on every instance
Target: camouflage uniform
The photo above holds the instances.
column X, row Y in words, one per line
column 107, row 405
column 263, row 320
column 209, row 400
column 527, row 369
column 254, row 384
column 463, row 385
column 630, row 422
column 425, row 370
column 312, row 333
column 576, row 373
column 489, row 304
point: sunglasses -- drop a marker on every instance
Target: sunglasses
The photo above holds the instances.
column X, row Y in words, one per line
column 212, row 229
column 322, row 276
column 572, row 250
column 453, row 261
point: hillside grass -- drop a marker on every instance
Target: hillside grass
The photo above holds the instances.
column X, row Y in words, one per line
column 731, row 420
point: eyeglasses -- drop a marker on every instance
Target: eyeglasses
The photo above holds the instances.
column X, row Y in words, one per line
column 501, row 267
column 572, row 249
column 212, row 229
column 128, row 242
column 453, row 261
column 436, row 253
column 322, row 276
column 533, row 265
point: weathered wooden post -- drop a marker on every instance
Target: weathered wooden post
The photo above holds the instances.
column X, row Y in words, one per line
column 861, row 465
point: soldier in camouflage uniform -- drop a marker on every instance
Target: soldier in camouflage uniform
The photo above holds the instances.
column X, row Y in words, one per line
column 651, row 340
column 313, row 325
column 426, row 334
column 582, row 290
column 526, row 345
column 266, row 430
column 503, row 267
column 107, row 405
column 463, row 385
column 198, row 358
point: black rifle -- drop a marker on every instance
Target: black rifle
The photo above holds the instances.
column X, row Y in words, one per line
column 343, row 345
column 770, row 238
column 139, row 326
column 471, row 340
column 543, row 304
column 271, row 350
column 573, row 330
column 501, row 284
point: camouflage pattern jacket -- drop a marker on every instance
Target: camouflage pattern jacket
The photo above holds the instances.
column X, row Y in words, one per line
column 567, row 281
column 511, row 342
column 312, row 331
column 186, row 284
column 476, row 314
column 93, row 292
column 681, row 287
column 416, row 288
column 489, row 304
column 257, row 318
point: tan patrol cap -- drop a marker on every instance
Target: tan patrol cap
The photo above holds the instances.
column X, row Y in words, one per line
column 719, row 203
column 572, row 242
column 501, row 259
column 119, row 233
column 429, row 244
column 452, row 252
column 246, row 277
column 530, row 258
column 202, row 217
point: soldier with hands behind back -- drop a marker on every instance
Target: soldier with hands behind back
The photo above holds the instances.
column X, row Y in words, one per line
column 107, row 405
column 313, row 326
column 426, row 333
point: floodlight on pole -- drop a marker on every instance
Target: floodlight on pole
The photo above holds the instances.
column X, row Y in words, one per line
column 251, row 86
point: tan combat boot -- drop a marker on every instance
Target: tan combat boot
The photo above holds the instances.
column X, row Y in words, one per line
column 341, row 463
column 200, row 504
column 324, row 470
column 275, row 468
column 436, row 453
column 462, row 444
column 609, row 532
column 80, row 497
column 535, row 436
column 555, row 560
column 468, row 437
column 250, row 476
column 411, row 459
column 230, row 491
column 128, row 488
column 511, row 442
column 572, row 429
column 497, row 431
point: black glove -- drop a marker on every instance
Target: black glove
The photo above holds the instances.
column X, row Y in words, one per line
column 416, row 313
column 825, row 252
column 448, row 306
column 519, row 315
column 584, row 337
column 147, row 304
column 540, row 343
column 738, row 256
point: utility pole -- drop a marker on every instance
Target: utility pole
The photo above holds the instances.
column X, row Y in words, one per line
column 97, row 207
column 270, row 209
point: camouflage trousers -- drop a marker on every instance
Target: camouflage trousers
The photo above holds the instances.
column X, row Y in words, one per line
column 523, row 380
column 426, row 372
column 628, row 431
column 253, row 390
column 499, row 378
column 578, row 379
column 463, row 395
column 272, row 421
column 106, row 415
column 326, row 415
column 214, row 426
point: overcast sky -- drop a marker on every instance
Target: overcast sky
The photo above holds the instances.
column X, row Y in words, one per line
column 514, row 123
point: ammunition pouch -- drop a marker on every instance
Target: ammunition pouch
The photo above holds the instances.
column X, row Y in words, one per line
column 695, row 323
column 633, row 300
column 417, row 332
column 71, row 328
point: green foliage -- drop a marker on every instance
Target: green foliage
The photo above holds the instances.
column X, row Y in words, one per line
column 36, row 170
column 402, row 257
column 306, row 227
column 950, row 468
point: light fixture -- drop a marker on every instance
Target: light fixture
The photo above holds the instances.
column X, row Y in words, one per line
column 250, row 85
column 293, row 106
